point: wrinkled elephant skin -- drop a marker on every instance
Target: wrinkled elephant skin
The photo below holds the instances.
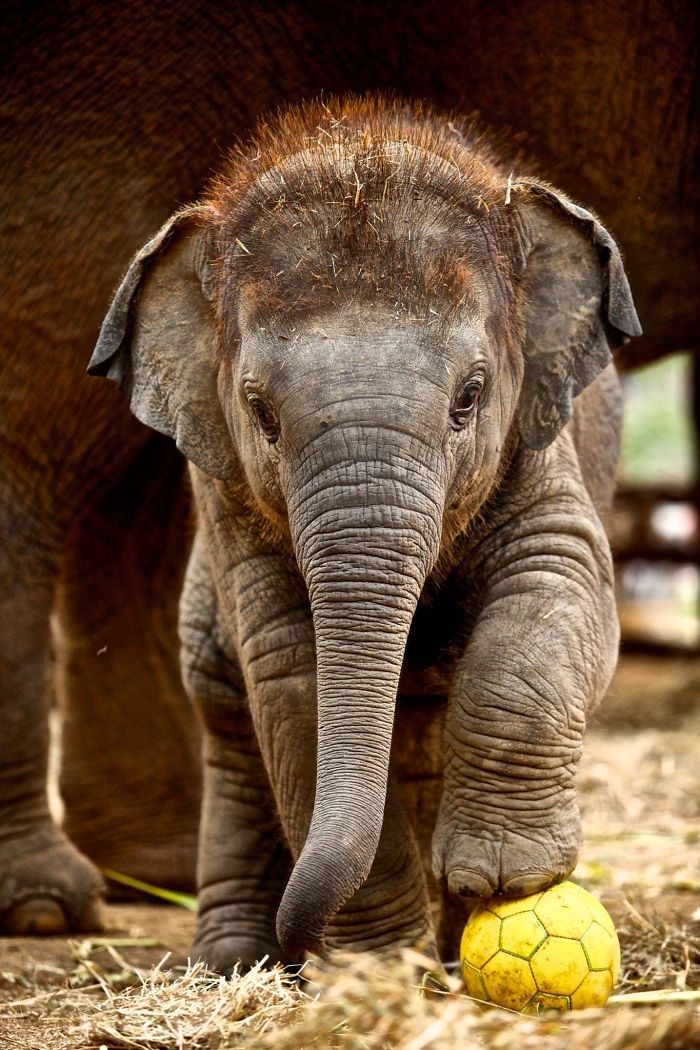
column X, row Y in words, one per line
column 367, row 340
column 113, row 116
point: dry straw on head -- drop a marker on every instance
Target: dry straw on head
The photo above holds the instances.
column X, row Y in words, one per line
column 358, row 199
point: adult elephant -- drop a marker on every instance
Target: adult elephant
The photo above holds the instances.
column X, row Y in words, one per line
column 114, row 114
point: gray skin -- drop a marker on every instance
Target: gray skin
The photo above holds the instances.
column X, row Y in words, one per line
column 113, row 115
column 340, row 500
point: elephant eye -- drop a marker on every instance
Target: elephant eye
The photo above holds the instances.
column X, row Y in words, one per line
column 464, row 404
column 265, row 416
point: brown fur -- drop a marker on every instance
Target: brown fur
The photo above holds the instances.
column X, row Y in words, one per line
column 341, row 199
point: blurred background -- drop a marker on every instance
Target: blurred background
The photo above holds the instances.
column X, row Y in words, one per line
column 655, row 528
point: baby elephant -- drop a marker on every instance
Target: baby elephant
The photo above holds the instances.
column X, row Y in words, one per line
column 367, row 340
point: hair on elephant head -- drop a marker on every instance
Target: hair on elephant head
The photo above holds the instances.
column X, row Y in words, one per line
column 356, row 327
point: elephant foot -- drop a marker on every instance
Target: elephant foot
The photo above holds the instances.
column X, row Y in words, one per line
column 514, row 861
column 230, row 952
column 47, row 887
column 226, row 949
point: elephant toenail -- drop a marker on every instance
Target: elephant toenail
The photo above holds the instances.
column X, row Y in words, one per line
column 524, row 885
column 36, row 916
column 467, row 883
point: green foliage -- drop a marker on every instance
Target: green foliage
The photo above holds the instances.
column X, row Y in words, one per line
column 657, row 439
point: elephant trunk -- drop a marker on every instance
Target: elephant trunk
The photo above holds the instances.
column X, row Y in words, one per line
column 365, row 551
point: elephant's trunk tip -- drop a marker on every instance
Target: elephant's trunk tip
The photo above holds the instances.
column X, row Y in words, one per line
column 325, row 877
column 299, row 930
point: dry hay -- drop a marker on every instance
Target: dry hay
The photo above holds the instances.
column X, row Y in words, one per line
column 657, row 954
column 355, row 1002
column 639, row 794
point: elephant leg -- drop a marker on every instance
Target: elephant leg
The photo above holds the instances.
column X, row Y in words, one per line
column 392, row 909
column 46, row 885
column 244, row 862
column 418, row 750
column 540, row 656
column 269, row 605
column 131, row 767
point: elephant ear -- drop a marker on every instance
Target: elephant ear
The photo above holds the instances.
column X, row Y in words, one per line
column 158, row 342
column 577, row 307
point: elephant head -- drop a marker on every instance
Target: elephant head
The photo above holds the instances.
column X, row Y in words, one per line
column 355, row 328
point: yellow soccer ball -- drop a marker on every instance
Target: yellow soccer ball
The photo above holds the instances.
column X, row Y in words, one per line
column 555, row 949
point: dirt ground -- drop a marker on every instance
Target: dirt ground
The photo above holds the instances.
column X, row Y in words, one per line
column 640, row 794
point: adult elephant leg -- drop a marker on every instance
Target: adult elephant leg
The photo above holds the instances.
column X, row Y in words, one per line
column 46, row 885
column 540, row 656
column 131, row 767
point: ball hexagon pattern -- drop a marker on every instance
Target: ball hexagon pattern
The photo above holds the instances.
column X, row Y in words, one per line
column 522, row 934
column 559, row 965
column 557, row 949
column 509, row 981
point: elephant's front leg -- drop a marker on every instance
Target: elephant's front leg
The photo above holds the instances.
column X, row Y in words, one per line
column 540, row 656
column 392, row 907
column 263, row 602
column 243, row 861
